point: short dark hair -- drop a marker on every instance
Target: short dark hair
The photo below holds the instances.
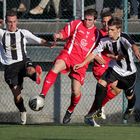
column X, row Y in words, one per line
column 115, row 21
column 91, row 12
column 11, row 13
column 106, row 13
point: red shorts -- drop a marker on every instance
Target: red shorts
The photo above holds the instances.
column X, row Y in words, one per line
column 70, row 62
column 98, row 69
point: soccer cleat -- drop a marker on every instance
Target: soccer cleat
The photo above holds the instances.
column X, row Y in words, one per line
column 97, row 114
column 42, row 95
column 127, row 114
column 38, row 70
column 89, row 120
column 23, row 117
column 67, row 117
column 103, row 116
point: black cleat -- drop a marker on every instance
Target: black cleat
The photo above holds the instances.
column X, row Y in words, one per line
column 97, row 114
column 127, row 114
column 67, row 117
column 42, row 96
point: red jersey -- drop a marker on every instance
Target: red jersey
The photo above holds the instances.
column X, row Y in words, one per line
column 80, row 43
column 99, row 69
column 80, row 40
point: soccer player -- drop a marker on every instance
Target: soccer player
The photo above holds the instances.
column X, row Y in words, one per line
column 99, row 69
column 121, row 68
column 81, row 38
column 15, row 60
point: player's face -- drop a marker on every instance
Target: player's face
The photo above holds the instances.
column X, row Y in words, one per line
column 105, row 22
column 11, row 23
column 89, row 21
column 114, row 32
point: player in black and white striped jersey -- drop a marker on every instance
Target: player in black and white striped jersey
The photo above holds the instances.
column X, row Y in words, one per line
column 122, row 68
column 15, row 60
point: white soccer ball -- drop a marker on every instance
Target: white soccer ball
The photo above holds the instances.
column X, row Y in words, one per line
column 36, row 103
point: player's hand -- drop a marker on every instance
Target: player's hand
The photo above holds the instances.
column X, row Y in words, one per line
column 53, row 44
column 100, row 60
column 116, row 57
column 78, row 66
column 44, row 42
column 137, row 54
column 55, row 37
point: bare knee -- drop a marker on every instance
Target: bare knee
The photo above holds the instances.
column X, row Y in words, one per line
column 76, row 92
column 59, row 66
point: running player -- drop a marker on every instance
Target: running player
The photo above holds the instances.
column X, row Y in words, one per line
column 121, row 68
column 15, row 60
column 82, row 37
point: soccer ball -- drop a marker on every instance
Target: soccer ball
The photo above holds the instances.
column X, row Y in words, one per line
column 36, row 103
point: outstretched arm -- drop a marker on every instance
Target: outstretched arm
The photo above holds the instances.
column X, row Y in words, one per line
column 87, row 60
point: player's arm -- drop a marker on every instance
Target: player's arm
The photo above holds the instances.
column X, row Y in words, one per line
column 88, row 59
column 91, row 56
column 58, row 36
column 136, row 51
column 68, row 30
column 116, row 57
column 31, row 38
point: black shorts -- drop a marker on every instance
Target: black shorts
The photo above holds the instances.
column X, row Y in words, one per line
column 126, row 83
column 15, row 72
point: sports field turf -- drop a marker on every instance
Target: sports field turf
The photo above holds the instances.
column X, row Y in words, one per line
column 69, row 132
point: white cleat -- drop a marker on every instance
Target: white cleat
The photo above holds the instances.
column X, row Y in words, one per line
column 95, row 123
column 23, row 117
column 103, row 116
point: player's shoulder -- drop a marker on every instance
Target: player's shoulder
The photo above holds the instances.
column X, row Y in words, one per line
column 76, row 21
column 2, row 30
column 124, row 35
column 105, row 38
column 24, row 31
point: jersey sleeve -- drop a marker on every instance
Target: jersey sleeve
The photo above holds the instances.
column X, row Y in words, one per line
column 69, row 29
column 1, row 34
column 128, row 40
column 30, row 37
column 99, row 48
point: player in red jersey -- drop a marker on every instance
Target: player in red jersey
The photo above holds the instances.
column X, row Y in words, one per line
column 81, row 38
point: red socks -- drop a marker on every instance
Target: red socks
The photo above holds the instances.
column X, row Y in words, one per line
column 110, row 95
column 74, row 101
column 48, row 82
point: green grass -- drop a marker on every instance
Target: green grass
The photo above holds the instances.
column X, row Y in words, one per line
column 69, row 132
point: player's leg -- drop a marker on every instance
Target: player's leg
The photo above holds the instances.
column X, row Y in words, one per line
column 128, row 84
column 75, row 98
column 19, row 102
column 52, row 75
column 112, row 91
column 15, row 80
column 95, row 110
column 99, row 96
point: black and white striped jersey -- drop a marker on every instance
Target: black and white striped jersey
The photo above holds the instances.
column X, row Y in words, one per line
column 13, row 45
column 122, row 46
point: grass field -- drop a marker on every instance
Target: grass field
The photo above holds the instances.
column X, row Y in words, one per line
column 69, row 132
